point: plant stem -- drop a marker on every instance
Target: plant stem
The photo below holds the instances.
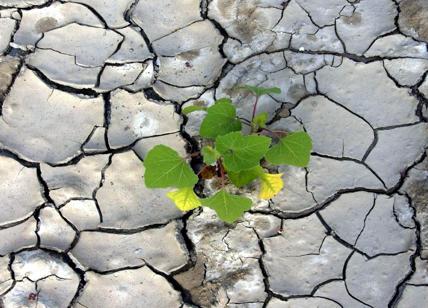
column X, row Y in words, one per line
column 220, row 166
column 275, row 133
column 255, row 108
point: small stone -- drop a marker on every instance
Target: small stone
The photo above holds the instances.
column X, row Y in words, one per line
column 32, row 109
column 369, row 21
column 16, row 179
column 83, row 214
column 368, row 92
column 125, row 201
column 134, row 117
column 37, row 21
column 407, row 72
column 161, row 248
column 374, row 281
column 128, row 288
column 55, row 233
column 409, row 141
column 21, row 236
column 74, row 181
column 159, row 19
column 91, row 46
column 397, row 45
column 7, row 27
column 97, row 141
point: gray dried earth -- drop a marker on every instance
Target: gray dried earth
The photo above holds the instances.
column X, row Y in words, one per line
column 87, row 87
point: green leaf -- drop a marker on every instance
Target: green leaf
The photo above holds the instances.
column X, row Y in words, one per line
column 245, row 177
column 228, row 207
column 221, row 119
column 294, row 149
column 184, row 198
column 259, row 91
column 190, row 109
column 210, row 155
column 260, row 120
column 165, row 168
column 242, row 152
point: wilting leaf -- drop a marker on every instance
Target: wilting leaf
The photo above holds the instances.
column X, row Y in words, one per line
column 185, row 198
column 271, row 185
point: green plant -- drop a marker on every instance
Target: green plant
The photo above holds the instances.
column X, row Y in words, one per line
column 229, row 156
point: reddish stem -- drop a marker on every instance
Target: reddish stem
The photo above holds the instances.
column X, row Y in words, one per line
column 255, row 108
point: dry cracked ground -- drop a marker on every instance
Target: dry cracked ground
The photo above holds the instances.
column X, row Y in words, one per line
column 87, row 87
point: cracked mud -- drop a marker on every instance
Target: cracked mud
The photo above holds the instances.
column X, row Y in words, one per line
column 87, row 87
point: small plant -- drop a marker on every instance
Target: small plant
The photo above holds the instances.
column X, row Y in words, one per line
column 230, row 157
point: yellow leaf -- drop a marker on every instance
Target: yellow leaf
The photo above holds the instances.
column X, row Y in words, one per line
column 271, row 185
column 184, row 198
